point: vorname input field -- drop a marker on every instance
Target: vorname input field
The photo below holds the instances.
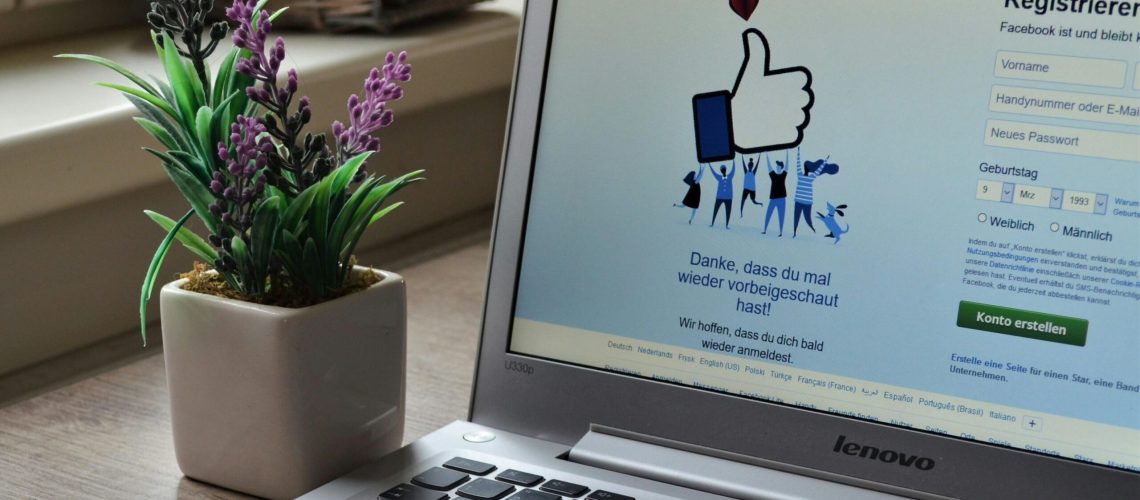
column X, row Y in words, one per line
column 1061, row 69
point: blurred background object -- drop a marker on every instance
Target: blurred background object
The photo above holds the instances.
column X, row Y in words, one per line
column 76, row 182
column 378, row 15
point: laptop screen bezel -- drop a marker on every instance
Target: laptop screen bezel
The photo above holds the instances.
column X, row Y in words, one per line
column 558, row 401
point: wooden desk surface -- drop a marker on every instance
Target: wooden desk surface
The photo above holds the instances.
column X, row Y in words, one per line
column 109, row 436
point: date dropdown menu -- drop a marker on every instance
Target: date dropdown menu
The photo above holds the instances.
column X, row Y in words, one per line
column 1042, row 197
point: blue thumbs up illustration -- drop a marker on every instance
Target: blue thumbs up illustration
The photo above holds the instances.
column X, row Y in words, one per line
column 767, row 109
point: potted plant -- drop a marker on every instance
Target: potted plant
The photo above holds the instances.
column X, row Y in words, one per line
column 285, row 360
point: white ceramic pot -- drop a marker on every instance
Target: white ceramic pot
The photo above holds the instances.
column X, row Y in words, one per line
column 274, row 401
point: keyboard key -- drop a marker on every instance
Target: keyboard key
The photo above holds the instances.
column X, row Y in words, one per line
column 563, row 488
column 533, row 495
column 607, row 495
column 438, row 478
column 485, row 489
column 519, row 477
column 469, row 466
column 409, row 492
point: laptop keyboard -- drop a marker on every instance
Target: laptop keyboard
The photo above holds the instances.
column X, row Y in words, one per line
column 465, row 478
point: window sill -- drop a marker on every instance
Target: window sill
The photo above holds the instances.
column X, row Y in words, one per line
column 76, row 182
column 54, row 147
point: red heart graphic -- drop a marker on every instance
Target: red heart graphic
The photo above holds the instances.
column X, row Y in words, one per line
column 743, row 8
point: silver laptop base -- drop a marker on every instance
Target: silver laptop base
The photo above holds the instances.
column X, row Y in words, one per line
column 718, row 478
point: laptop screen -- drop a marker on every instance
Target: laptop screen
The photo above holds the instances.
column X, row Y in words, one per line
column 921, row 214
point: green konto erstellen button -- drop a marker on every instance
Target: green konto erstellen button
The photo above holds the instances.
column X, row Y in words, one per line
column 1022, row 323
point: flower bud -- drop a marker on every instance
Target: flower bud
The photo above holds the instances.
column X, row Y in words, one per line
column 156, row 21
column 291, row 82
column 219, row 30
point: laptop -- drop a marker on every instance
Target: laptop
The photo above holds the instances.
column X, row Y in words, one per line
column 828, row 249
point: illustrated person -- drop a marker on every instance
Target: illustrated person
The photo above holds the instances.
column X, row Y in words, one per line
column 693, row 195
column 723, row 192
column 806, row 175
column 749, row 185
column 777, row 196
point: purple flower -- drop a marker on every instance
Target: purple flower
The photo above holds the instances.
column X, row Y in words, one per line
column 238, row 192
column 370, row 113
column 263, row 65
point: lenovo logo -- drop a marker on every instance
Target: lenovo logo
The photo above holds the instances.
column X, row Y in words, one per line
column 886, row 456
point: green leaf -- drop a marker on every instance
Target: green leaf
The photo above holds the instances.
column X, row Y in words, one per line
column 380, row 215
column 271, row 190
column 191, row 241
column 225, row 72
column 257, row 10
column 319, row 227
column 263, row 234
column 219, row 110
column 194, row 165
column 195, row 193
column 369, row 208
column 345, row 218
column 343, row 175
column 113, row 66
column 275, row 15
column 237, row 83
column 154, row 36
column 291, row 254
column 195, row 83
column 311, row 263
column 219, row 122
column 184, row 91
column 240, row 253
column 204, row 131
column 155, row 265
column 156, row 131
column 167, row 92
column 156, row 115
column 158, row 103
column 299, row 207
column 166, row 158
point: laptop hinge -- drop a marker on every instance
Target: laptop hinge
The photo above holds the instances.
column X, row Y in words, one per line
column 656, row 459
